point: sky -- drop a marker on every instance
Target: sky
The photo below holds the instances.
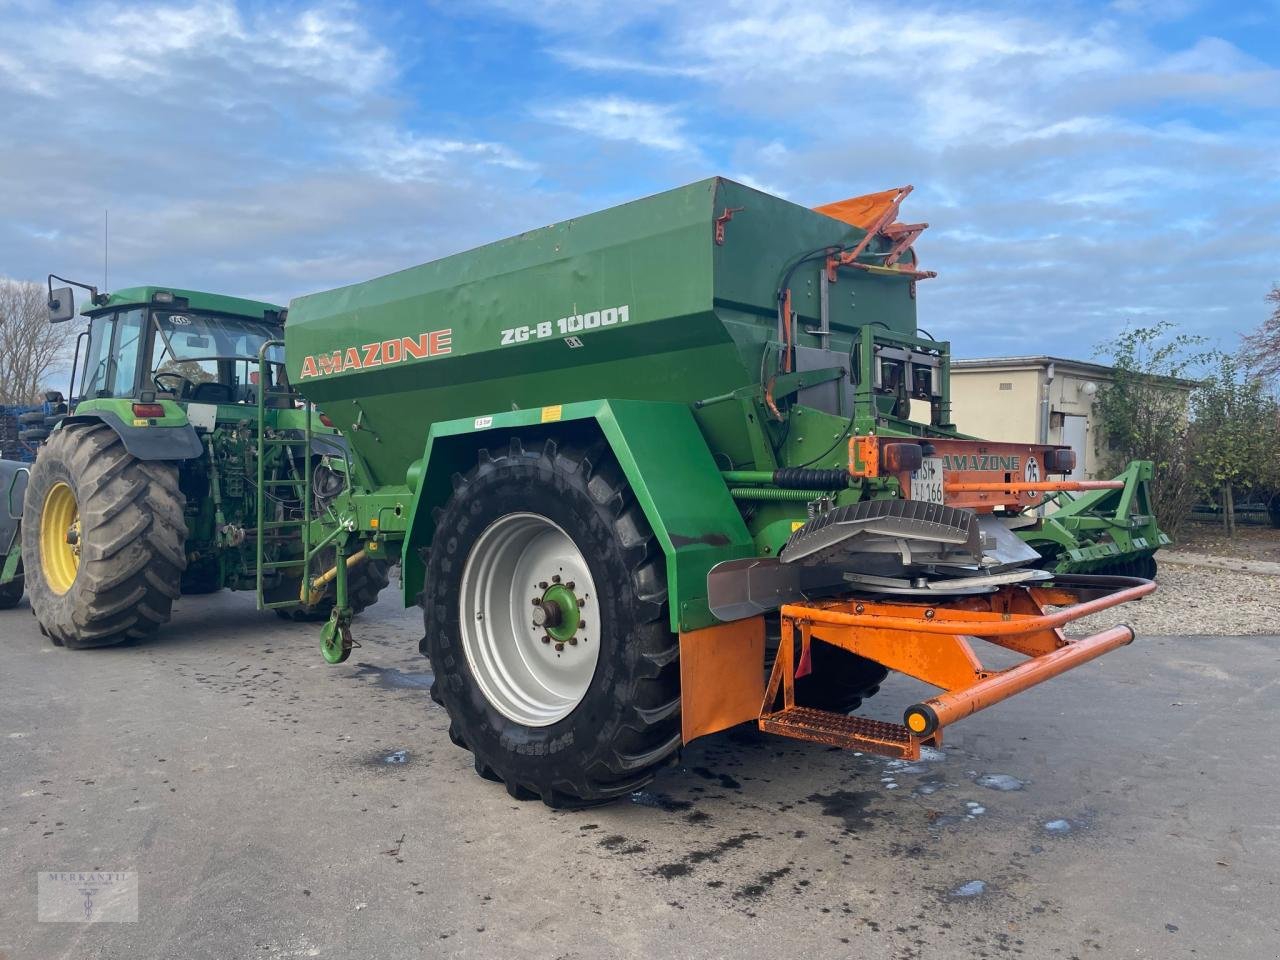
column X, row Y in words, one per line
column 1082, row 166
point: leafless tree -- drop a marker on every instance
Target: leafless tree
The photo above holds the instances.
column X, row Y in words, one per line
column 1260, row 350
column 31, row 348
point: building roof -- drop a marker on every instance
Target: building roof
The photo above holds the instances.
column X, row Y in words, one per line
column 1102, row 371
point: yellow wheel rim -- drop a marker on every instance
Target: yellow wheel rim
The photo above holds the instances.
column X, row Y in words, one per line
column 60, row 538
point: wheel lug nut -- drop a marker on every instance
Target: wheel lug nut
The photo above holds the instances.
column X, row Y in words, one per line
column 573, row 641
column 559, row 647
column 537, row 601
column 543, row 585
column 570, row 584
column 556, row 578
column 582, row 624
column 581, row 602
column 546, row 639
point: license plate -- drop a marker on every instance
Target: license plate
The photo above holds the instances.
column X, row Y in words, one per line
column 926, row 483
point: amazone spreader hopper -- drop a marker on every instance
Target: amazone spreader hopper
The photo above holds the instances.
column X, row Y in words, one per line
column 653, row 472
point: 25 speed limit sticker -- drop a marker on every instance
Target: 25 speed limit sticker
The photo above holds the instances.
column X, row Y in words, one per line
column 567, row 326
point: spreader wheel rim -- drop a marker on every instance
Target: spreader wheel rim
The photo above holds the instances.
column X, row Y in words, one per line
column 528, row 671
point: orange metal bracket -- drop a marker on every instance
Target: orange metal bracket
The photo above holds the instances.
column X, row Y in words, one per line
column 930, row 642
column 864, row 456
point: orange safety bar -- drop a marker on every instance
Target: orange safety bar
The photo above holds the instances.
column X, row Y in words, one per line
column 929, row 715
column 930, row 642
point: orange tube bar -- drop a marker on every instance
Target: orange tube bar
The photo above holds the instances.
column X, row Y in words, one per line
column 1045, row 485
column 1015, row 624
column 924, row 718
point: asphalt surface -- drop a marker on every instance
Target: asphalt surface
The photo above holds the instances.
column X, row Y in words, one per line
column 274, row 806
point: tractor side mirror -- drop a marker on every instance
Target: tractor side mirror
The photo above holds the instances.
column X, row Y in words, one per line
column 62, row 305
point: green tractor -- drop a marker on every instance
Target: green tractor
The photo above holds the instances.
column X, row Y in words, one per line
column 182, row 462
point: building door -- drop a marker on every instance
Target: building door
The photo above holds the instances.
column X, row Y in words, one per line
column 1075, row 434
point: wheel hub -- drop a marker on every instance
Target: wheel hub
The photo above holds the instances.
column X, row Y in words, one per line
column 558, row 612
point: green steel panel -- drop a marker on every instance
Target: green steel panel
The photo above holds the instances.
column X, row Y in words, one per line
column 666, row 461
column 666, row 313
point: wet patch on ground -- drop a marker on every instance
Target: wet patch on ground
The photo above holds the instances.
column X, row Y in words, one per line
column 390, row 678
column 660, row 801
column 848, row 806
column 685, row 865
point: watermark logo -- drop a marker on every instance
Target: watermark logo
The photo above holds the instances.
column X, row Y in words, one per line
column 87, row 896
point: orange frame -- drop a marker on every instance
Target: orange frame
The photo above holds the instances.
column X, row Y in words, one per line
column 930, row 642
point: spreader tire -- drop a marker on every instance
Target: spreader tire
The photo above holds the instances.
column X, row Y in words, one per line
column 591, row 735
column 839, row 680
column 103, row 539
column 201, row 578
column 364, row 582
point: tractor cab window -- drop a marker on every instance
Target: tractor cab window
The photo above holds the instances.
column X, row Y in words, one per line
column 207, row 358
column 111, row 361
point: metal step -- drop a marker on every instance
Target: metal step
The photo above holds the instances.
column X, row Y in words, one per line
column 838, row 730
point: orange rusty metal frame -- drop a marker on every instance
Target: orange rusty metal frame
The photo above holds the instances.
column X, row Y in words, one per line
column 875, row 213
column 1040, row 486
column 930, row 642
column 980, row 488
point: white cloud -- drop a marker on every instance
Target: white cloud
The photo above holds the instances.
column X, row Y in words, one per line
column 400, row 156
column 621, row 118
column 254, row 151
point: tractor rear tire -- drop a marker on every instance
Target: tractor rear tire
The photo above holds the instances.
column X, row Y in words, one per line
column 11, row 592
column 597, row 724
column 102, row 539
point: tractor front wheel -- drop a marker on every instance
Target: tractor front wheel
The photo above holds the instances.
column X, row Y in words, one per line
column 546, row 625
column 103, row 539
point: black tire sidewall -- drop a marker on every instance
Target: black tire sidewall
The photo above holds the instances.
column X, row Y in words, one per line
column 46, row 472
column 532, row 755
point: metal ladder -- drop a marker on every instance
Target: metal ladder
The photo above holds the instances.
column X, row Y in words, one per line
column 267, row 441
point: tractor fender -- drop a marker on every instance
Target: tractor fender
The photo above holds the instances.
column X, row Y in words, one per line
column 661, row 452
column 147, row 443
column 13, row 487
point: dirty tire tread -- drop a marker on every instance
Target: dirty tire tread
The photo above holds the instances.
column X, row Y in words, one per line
column 133, row 535
column 628, row 724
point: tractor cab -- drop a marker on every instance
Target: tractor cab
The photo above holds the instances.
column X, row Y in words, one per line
column 149, row 344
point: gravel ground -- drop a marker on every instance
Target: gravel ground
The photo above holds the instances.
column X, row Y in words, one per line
column 1194, row 598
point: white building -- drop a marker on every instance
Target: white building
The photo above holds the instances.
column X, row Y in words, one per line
column 1035, row 400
